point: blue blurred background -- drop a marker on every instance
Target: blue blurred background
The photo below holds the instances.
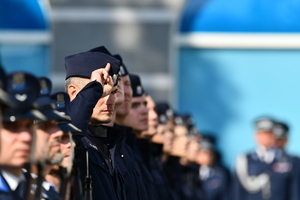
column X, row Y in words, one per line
column 226, row 62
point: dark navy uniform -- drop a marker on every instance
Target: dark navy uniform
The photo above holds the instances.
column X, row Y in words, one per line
column 131, row 140
column 100, row 142
column 216, row 184
column 6, row 193
column 134, row 183
column 278, row 180
column 105, row 178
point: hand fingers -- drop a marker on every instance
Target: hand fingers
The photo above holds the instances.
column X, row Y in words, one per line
column 107, row 67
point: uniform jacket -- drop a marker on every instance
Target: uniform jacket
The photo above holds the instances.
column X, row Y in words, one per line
column 216, row 185
column 100, row 143
column 282, row 182
column 6, row 193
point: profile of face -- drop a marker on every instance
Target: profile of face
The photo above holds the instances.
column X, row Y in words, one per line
column 119, row 94
column 281, row 143
column 125, row 107
column 152, row 118
column 48, row 138
column 265, row 138
column 103, row 110
column 16, row 141
column 192, row 149
column 180, row 141
column 67, row 149
column 204, row 158
column 137, row 118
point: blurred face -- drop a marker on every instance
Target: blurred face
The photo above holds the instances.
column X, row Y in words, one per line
column 138, row 115
column 103, row 110
column 192, row 150
column 265, row 138
column 204, row 158
column 67, row 147
column 152, row 118
column 16, row 140
column 48, row 142
column 280, row 143
column 126, row 105
column 120, row 93
column 180, row 141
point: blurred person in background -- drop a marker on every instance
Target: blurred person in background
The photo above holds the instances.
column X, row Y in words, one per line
column 263, row 174
column 214, row 179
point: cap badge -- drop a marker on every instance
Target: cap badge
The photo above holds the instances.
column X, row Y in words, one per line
column 18, row 81
column 139, row 90
column 115, row 78
column 60, row 103
column 122, row 71
column 44, row 87
column 21, row 97
column 162, row 118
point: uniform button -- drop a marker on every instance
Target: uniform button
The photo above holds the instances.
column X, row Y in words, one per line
column 122, row 156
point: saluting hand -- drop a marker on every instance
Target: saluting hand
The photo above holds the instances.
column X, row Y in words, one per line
column 102, row 76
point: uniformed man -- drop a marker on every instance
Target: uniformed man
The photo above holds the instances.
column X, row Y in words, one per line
column 284, row 176
column 214, row 178
column 89, row 83
column 137, row 119
column 60, row 174
column 48, row 138
column 17, row 133
column 260, row 175
column 135, row 187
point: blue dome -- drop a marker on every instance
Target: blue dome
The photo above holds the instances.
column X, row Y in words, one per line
column 22, row 14
column 241, row 16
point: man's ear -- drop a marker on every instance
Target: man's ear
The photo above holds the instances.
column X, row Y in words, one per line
column 72, row 91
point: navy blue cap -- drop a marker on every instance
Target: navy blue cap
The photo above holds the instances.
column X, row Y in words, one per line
column 4, row 99
column 280, row 130
column 207, row 143
column 83, row 64
column 61, row 100
column 164, row 112
column 184, row 120
column 264, row 124
column 23, row 90
column 101, row 49
column 45, row 103
column 136, row 85
column 123, row 68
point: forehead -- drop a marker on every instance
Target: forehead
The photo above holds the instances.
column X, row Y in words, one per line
column 125, row 78
column 140, row 99
column 150, row 102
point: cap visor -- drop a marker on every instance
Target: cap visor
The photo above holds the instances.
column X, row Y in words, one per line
column 31, row 114
column 54, row 115
column 68, row 127
column 4, row 99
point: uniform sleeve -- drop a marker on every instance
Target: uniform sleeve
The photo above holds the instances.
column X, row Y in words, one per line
column 81, row 108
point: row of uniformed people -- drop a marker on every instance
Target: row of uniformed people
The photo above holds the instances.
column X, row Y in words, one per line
column 35, row 138
column 126, row 146
column 119, row 126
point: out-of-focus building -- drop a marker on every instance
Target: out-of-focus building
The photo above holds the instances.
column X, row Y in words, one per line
column 239, row 60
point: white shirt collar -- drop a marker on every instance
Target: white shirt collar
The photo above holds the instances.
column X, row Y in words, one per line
column 12, row 180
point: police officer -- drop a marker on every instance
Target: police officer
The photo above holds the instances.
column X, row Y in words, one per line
column 48, row 137
column 214, row 178
column 89, row 82
column 60, row 174
column 17, row 133
column 284, row 173
column 137, row 119
column 251, row 179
